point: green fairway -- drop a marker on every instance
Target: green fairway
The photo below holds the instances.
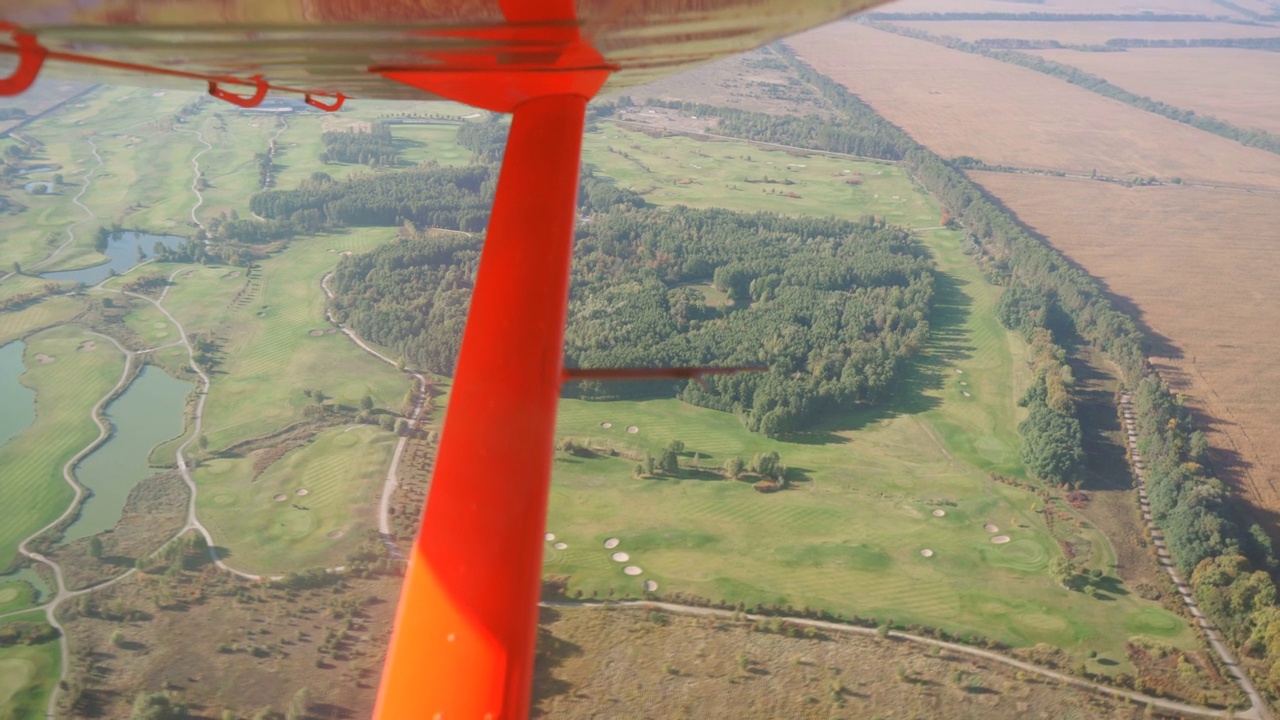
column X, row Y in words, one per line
column 274, row 339
column 46, row 313
column 67, row 387
column 27, row 675
column 340, row 474
column 14, row 595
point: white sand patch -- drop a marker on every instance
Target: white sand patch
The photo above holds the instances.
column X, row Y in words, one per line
column 333, row 534
column 611, row 543
column 632, row 570
column 550, row 537
column 926, row 552
column 88, row 346
column 301, row 491
column 606, row 425
column 561, row 546
column 633, row 429
column 964, row 384
column 959, row 371
column 1000, row 539
column 44, row 359
column 650, row 585
column 620, row 557
column 939, row 513
column 991, row 528
column 312, row 333
column 965, row 393
column 280, row 498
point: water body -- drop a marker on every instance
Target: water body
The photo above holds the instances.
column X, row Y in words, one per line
column 18, row 400
column 122, row 254
column 31, row 186
column 149, row 412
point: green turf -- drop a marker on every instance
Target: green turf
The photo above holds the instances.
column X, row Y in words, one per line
column 14, row 596
column 27, row 675
column 847, row 538
column 342, row 471
column 33, row 492
column 269, row 353
column 48, row 312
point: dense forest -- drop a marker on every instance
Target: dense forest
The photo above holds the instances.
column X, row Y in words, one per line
column 1206, row 537
column 1250, row 137
column 373, row 147
column 833, row 308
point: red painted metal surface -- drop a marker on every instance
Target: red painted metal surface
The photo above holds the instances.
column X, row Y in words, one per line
column 30, row 59
column 254, row 100
column 465, row 628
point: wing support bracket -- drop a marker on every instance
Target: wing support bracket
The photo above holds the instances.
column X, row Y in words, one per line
column 330, row 107
column 260, row 92
column 30, row 59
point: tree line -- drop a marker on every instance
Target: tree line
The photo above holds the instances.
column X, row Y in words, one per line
column 833, row 308
column 1250, row 137
column 1040, row 16
column 372, row 147
column 1227, row 562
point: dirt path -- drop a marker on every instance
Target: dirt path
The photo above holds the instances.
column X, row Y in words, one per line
column 1258, row 710
column 419, row 399
column 195, row 164
column 1185, row 708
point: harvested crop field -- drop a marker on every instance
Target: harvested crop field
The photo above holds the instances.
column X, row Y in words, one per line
column 755, row 81
column 1239, row 86
column 1088, row 33
column 962, row 104
column 1212, row 292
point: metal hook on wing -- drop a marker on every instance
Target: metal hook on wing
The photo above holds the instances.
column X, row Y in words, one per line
column 254, row 100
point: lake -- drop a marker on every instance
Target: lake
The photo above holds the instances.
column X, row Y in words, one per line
column 17, row 400
column 122, row 254
column 147, row 413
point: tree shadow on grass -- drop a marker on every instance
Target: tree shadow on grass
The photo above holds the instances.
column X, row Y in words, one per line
column 949, row 343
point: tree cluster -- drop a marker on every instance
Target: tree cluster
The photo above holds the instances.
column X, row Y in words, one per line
column 834, row 309
column 373, row 147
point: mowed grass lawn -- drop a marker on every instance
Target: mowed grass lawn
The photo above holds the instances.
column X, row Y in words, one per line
column 27, row 675
column 717, row 175
column 341, row 470
column 33, row 492
column 848, row 537
column 269, row 353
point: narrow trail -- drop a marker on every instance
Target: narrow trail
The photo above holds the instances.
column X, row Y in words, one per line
column 1258, row 709
column 88, row 214
column 419, row 399
column 1162, row 703
column 195, row 180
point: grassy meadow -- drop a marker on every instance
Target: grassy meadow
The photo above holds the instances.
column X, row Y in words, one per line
column 67, row 387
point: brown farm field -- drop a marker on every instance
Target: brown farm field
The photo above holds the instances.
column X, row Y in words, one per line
column 961, row 104
column 1074, row 7
column 1198, row 267
column 1239, row 86
column 1087, row 33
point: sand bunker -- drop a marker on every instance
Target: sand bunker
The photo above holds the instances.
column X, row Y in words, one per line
column 620, row 557
column 926, row 552
column 650, row 585
column 331, row 330
column 939, row 513
column 550, row 536
column 611, row 543
column 606, row 425
column 633, row 429
column 333, row 534
column 88, row 346
column 962, row 392
column 964, row 384
column 1000, row 539
column 312, row 333
column 301, row 491
column 632, row 570
column 231, row 275
column 280, row 498
column 561, row 546
column 990, row 528
column 959, row 371
column 44, row 359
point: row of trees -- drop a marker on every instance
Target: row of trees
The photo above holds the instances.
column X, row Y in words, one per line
column 1250, row 137
column 833, row 308
column 1122, row 44
column 1041, row 16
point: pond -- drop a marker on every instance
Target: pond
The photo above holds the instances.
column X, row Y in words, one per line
column 31, row 187
column 122, row 254
column 147, row 413
column 18, row 400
